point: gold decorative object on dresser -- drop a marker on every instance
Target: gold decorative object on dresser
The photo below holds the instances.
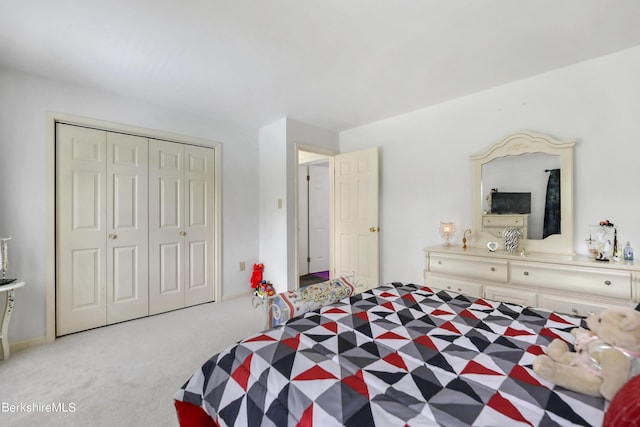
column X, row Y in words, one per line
column 564, row 283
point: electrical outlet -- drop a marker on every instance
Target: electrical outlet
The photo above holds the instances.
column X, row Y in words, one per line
column 243, row 266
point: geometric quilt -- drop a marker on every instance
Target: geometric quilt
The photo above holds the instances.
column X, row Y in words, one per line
column 396, row 355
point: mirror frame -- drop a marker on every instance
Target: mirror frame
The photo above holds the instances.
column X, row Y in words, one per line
column 515, row 144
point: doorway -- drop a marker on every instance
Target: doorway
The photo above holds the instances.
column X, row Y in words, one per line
column 314, row 210
column 352, row 232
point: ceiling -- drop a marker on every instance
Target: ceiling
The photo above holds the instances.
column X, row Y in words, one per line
column 335, row 64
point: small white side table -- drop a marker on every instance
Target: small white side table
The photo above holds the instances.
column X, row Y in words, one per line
column 9, row 291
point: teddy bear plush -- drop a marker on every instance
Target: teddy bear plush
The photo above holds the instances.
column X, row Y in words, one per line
column 606, row 356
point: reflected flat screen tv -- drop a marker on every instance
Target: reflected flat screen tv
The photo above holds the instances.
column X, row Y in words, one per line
column 510, row 203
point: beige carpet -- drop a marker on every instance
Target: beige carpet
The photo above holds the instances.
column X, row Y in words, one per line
column 120, row 375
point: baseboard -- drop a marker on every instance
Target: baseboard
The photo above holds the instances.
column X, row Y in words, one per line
column 31, row 342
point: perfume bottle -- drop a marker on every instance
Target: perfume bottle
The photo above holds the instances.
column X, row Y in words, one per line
column 627, row 253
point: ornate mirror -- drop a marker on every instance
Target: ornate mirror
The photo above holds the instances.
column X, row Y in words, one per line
column 525, row 181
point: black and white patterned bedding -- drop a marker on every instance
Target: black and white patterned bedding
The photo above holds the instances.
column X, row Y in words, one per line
column 396, row 355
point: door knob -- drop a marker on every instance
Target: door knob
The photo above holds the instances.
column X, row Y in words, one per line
column 112, row 236
column 374, row 229
column 183, row 233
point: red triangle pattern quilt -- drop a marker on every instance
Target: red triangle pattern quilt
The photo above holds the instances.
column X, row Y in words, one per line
column 397, row 355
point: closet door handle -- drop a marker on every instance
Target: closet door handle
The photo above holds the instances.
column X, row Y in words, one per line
column 183, row 233
column 526, row 273
column 493, row 269
column 112, row 236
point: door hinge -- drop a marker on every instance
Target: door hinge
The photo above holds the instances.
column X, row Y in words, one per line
column 308, row 259
column 308, row 177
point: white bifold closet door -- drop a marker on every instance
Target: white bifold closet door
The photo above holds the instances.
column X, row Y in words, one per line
column 134, row 222
column 180, row 227
column 102, row 233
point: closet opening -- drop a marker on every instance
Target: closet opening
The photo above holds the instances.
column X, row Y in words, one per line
column 135, row 223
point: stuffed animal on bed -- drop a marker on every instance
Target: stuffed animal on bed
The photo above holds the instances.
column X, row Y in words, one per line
column 606, row 356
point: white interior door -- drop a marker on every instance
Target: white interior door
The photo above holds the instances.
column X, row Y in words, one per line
column 356, row 227
column 166, row 226
column 319, row 210
column 303, row 220
column 102, row 228
column 134, row 227
column 127, row 238
column 180, row 225
column 81, row 224
column 199, row 179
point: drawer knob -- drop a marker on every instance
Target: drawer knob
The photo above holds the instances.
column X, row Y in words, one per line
column 526, row 273
column 493, row 269
column 439, row 262
column 607, row 282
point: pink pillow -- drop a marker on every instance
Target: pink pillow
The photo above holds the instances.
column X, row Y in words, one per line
column 624, row 410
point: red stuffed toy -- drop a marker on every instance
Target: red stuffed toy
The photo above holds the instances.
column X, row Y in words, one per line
column 256, row 276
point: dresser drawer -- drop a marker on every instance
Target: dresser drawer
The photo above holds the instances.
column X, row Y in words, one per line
column 611, row 284
column 459, row 286
column 503, row 221
column 573, row 306
column 512, row 295
column 471, row 267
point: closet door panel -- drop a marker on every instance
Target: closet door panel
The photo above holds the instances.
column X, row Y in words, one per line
column 198, row 268
column 81, row 225
column 127, row 237
column 170, row 270
column 166, row 226
column 126, row 287
column 86, row 284
column 199, row 179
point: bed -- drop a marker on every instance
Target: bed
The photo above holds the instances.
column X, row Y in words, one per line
column 400, row 354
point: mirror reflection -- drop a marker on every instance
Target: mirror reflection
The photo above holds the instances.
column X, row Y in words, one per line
column 529, row 187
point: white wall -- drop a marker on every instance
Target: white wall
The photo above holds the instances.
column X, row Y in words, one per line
column 23, row 106
column 426, row 170
column 273, row 203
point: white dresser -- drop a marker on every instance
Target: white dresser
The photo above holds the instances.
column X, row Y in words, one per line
column 563, row 283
